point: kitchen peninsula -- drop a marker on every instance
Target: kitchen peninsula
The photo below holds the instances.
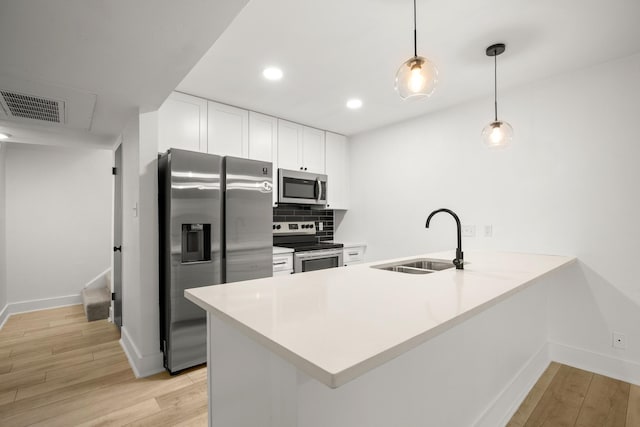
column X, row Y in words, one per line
column 360, row 346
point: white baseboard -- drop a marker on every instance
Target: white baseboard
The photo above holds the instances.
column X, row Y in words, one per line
column 37, row 304
column 508, row 401
column 603, row 364
column 143, row 366
column 4, row 315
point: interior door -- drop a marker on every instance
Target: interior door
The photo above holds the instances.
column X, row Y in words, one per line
column 117, row 239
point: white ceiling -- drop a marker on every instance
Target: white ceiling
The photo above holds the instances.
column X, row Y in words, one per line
column 332, row 50
column 126, row 54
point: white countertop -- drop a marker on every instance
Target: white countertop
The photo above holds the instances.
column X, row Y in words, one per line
column 278, row 250
column 339, row 323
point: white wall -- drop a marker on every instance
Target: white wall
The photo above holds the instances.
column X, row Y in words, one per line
column 568, row 185
column 140, row 309
column 3, row 253
column 58, row 220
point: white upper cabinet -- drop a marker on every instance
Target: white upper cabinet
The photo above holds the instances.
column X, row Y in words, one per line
column 313, row 154
column 289, row 138
column 300, row 147
column 337, row 166
column 263, row 137
column 182, row 123
column 228, row 130
column 263, row 144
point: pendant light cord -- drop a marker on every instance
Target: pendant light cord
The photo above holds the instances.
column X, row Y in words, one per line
column 495, row 84
column 415, row 34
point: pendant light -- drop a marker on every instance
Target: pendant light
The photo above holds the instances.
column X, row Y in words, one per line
column 498, row 133
column 417, row 76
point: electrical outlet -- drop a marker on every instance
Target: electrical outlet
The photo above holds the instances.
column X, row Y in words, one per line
column 488, row 231
column 469, row 231
column 619, row 340
column 320, row 226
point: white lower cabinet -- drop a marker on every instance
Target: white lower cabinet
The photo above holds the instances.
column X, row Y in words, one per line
column 353, row 254
column 282, row 264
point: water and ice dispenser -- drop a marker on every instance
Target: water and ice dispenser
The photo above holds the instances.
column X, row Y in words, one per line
column 196, row 243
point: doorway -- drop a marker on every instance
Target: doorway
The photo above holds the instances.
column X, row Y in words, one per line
column 117, row 238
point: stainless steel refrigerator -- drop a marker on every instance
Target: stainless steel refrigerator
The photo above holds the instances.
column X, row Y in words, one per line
column 215, row 227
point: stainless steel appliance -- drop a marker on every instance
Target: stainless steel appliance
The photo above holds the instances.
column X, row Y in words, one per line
column 302, row 188
column 316, row 260
column 308, row 253
column 215, row 227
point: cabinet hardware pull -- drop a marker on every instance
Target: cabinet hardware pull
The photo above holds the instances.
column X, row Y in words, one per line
column 353, row 253
column 279, row 263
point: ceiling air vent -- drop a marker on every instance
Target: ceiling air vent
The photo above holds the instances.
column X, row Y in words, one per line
column 33, row 107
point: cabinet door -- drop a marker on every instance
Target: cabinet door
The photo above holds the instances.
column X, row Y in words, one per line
column 289, row 141
column 263, row 137
column 313, row 150
column 353, row 255
column 228, row 130
column 337, row 162
column 182, row 123
column 263, row 144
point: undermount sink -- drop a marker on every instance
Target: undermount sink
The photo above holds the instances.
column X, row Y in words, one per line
column 417, row 266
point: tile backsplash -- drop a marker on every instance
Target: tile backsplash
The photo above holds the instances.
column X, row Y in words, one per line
column 303, row 213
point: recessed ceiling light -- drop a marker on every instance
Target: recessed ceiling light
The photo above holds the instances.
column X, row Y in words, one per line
column 272, row 73
column 354, row 104
column 4, row 135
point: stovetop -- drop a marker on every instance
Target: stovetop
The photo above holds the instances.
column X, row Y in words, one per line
column 300, row 236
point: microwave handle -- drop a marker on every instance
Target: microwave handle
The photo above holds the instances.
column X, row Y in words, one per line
column 318, row 190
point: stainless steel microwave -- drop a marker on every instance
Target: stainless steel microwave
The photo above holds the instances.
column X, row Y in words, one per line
column 301, row 188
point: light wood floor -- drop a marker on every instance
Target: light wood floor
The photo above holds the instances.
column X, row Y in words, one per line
column 566, row 396
column 56, row 369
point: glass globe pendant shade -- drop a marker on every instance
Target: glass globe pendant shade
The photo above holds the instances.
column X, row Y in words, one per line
column 497, row 134
column 416, row 78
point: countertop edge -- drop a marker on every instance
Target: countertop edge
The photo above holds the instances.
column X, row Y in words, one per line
column 301, row 363
column 361, row 368
column 335, row 380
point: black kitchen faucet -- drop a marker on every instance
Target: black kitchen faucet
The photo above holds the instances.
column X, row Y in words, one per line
column 459, row 260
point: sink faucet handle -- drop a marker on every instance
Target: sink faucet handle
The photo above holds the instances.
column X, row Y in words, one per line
column 459, row 261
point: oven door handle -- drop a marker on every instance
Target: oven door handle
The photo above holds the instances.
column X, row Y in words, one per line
column 317, row 254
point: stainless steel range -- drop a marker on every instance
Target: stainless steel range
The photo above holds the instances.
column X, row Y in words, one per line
column 308, row 253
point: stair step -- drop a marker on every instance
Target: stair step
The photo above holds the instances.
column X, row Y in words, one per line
column 96, row 303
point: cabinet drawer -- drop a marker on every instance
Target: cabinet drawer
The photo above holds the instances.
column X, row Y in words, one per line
column 353, row 255
column 282, row 263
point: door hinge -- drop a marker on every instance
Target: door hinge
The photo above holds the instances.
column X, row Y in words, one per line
column 114, row 171
column 113, row 296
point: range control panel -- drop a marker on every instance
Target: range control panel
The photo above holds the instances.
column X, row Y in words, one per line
column 292, row 228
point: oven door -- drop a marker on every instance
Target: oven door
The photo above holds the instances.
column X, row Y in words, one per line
column 316, row 260
column 301, row 188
